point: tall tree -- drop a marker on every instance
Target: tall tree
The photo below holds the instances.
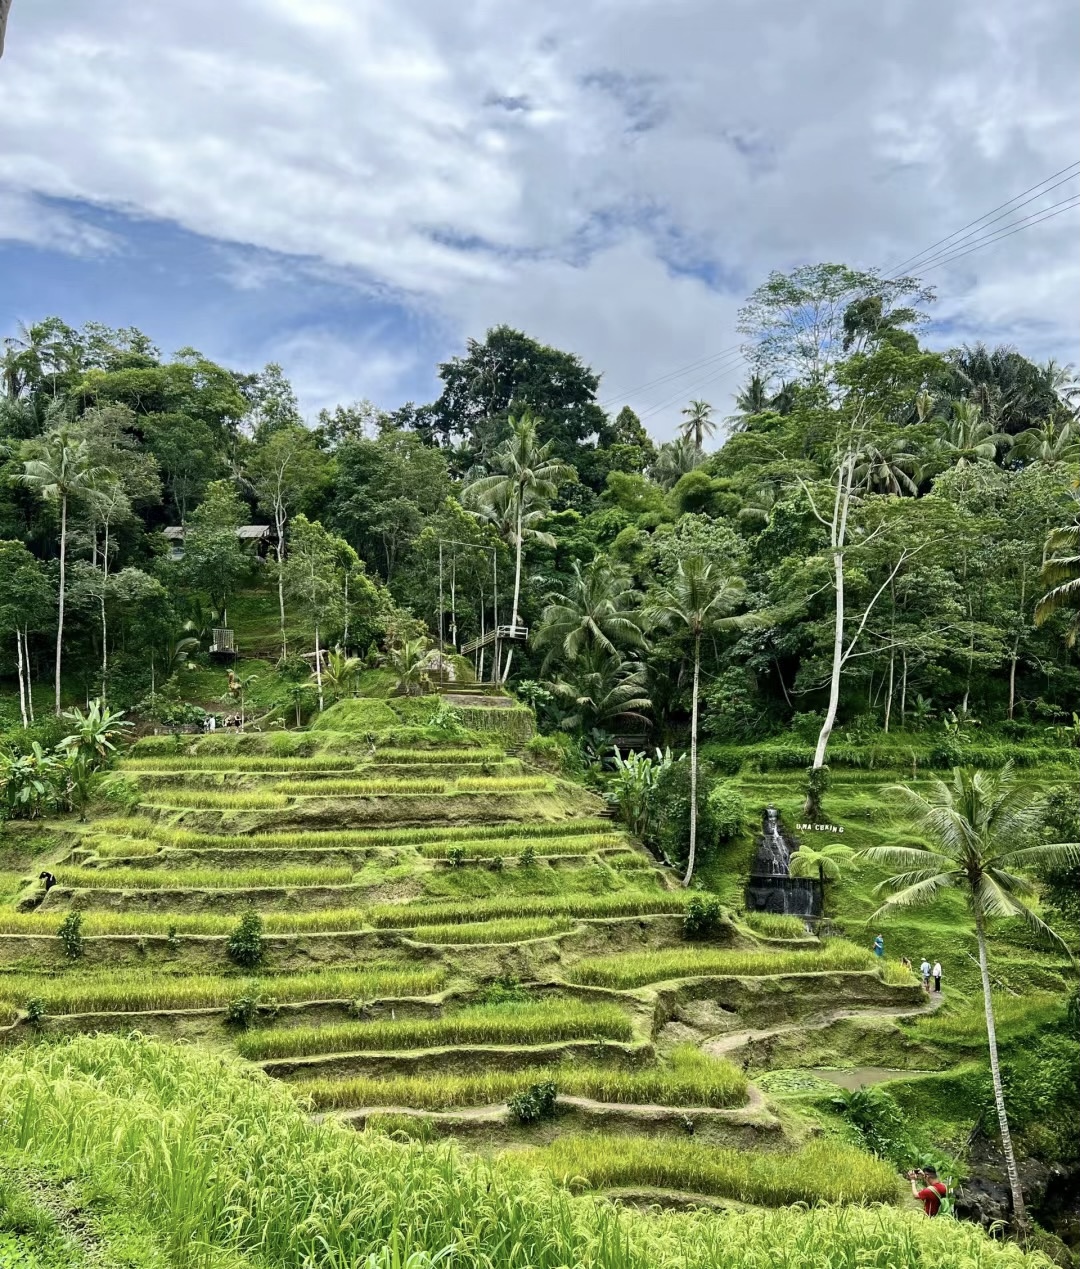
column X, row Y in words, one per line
column 701, row 600
column 980, row 826
column 285, row 471
column 313, row 579
column 1062, row 572
column 598, row 607
column 699, row 424
column 59, row 469
column 26, row 599
column 528, row 478
column 215, row 559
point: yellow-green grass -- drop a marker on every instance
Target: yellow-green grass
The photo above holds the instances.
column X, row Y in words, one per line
column 1014, row 1016
column 357, row 788
column 401, row 756
column 504, row 784
column 635, row 969
column 200, row 878
column 239, row 1169
column 186, row 764
column 489, row 848
column 821, row 1172
column 374, row 837
column 774, row 926
column 104, row 991
column 202, row 800
column 551, row 1021
column 122, row 847
column 507, row 931
column 622, row 903
column 691, row 1079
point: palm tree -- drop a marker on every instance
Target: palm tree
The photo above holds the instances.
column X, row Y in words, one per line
column 752, row 398
column 409, row 660
column 888, row 468
column 60, row 469
column 969, row 437
column 1062, row 571
column 526, row 481
column 341, row 670
column 977, row 825
column 699, row 423
column 599, row 608
column 1054, row 441
column 824, row 861
column 602, row 690
column 700, row 599
column 674, row 459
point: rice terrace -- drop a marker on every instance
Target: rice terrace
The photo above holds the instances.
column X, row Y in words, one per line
column 600, row 809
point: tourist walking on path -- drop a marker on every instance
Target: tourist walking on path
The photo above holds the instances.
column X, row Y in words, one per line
column 924, row 970
column 936, row 971
column 879, row 947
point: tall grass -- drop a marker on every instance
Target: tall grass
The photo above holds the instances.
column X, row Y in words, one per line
column 185, row 764
column 775, row 926
column 358, row 788
column 200, row 878
column 508, row 931
column 229, row 1167
column 123, row 847
column 1014, row 1016
column 635, row 969
column 402, row 756
column 201, row 800
column 391, row 916
column 821, row 1172
column 504, row 784
column 479, row 1024
column 98, row 991
column 486, row 848
column 692, row 1079
column 378, row 836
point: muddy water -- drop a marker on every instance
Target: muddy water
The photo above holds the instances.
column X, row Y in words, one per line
column 863, row 1076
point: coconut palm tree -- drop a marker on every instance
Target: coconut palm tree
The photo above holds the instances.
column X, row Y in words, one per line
column 699, row 599
column 977, row 825
column 410, row 660
column 752, row 398
column 888, row 468
column 524, row 484
column 341, row 670
column 1062, row 571
column 970, row 437
column 1054, row 441
column 599, row 607
column 602, row 690
column 674, row 459
column 699, row 423
column 59, row 469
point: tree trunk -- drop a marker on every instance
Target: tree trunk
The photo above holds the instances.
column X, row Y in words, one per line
column 889, row 695
column 318, row 667
column 839, row 529
column 19, row 663
column 63, row 582
column 517, row 588
column 29, row 681
column 104, row 623
column 903, row 689
column 692, row 859
column 280, row 525
column 1019, row 1210
column 1016, row 648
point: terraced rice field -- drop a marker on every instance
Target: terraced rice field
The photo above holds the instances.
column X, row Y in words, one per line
column 477, row 938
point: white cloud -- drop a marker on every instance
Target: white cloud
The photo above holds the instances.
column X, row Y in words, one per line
column 549, row 164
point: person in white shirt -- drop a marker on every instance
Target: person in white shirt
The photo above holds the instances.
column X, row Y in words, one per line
column 936, row 971
column 924, row 969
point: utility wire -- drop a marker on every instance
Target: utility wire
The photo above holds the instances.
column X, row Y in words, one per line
column 672, row 374
column 1048, row 215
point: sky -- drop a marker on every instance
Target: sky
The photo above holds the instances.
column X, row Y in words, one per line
column 352, row 188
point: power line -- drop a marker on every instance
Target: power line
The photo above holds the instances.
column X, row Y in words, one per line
column 673, row 374
column 1047, row 215
column 962, row 245
column 1008, row 203
column 722, row 373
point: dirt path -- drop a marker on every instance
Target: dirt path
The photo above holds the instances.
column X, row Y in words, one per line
column 725, row 1044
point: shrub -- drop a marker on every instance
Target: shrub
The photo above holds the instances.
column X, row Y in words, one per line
column 242, row 1011
column 536, row 1102
column 70, row 934
column 727, row 811
column 703, row 918
column 35, row 1010
column 244, row 945
column 669, row 813
column 528, row 856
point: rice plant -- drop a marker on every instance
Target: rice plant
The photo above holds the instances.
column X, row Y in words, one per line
column 482, row 848
column 510, row 1023
column 123, row 847
column 629, row 903
column 380, row 836
column 402, row 756
column 691, row 1079
column 821, row 1172
column 247, row 764
column 773, row 925
column 201, row 878
column 635, row 969
column 507, row 931
column 131, row 990
column 504, row 784
column 358, row 788
column 203, row 800
column 238, row 1170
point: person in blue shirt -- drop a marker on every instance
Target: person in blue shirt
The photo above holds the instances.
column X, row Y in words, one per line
column 879, row 946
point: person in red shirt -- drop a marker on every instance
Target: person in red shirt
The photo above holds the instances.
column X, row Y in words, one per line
column 932, row 1192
